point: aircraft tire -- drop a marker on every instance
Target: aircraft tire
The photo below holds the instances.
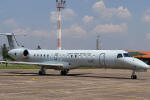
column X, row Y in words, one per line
column 133, row 77
column 63, row 72
column 42, row 72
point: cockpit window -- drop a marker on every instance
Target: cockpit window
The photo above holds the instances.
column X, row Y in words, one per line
column 126, row 55
column 119, row 56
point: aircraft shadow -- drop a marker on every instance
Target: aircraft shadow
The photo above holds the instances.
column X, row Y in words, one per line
column 20, row 73
column 103, row 77
column 106, row 77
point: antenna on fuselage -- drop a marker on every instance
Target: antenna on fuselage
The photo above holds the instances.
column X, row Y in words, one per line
column 60, row 5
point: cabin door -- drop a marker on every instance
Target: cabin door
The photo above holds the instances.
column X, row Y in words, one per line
column 102, row 59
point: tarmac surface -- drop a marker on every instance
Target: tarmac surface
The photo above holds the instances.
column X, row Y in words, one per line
column 80, row 84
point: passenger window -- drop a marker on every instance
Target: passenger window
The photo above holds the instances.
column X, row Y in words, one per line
column 71, row 56
column 75, row 56
column 119, row 56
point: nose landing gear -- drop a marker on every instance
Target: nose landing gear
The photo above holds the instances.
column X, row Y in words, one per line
column 133, row 76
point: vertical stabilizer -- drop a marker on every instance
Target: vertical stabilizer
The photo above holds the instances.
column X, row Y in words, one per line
column 11, row 40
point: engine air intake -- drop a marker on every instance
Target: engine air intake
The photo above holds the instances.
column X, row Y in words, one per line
column 25, row 53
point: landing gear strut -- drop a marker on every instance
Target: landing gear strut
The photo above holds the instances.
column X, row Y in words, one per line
column 42, row 71
column 64, row 72
column 133, row 76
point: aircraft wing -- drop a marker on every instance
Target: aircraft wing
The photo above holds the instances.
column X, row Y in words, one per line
column 48, row 64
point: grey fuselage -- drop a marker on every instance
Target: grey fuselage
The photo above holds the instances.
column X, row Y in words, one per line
column 80, row 58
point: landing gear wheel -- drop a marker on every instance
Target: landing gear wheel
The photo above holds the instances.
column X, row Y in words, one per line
column 133, row 77
column 41, row 72
column 64, row 72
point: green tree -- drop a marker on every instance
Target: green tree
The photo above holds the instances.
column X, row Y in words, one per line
column 5, row 53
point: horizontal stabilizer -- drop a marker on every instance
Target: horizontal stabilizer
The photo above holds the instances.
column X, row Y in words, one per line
column 6, row 34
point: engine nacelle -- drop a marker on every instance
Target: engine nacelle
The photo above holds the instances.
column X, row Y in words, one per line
column 20, row 53
column 25, row 52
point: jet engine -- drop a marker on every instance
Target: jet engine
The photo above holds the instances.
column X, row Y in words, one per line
column 25, row 53
column 19, row 53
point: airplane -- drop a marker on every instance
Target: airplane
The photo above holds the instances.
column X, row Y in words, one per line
column 65, row 60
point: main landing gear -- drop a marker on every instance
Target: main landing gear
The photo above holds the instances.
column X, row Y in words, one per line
column 42, row 71
column 64, row 72
column 133, row 76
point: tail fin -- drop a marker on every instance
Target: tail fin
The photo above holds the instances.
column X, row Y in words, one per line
column 11, row 40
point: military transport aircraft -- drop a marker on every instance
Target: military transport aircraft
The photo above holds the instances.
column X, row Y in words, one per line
column 65, row 60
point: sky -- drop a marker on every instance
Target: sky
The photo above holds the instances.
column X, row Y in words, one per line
column 121, row 24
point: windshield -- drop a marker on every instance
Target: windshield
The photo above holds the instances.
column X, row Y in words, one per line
column 119, row 56
column 126, row 55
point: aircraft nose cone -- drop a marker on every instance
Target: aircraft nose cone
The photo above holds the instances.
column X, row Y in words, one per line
column 136, row 63
column 141, row 64
column 145, row 66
